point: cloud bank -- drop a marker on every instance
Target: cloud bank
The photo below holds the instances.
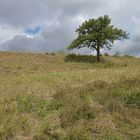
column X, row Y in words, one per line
column 40, row 26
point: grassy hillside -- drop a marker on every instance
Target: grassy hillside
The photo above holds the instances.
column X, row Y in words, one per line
column 44, row 97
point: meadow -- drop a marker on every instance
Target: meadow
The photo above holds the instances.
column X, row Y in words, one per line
column 59, row 97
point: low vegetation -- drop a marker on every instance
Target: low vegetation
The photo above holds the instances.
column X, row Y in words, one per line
column 53, row 97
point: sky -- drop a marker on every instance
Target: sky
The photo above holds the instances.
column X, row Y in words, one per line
column 49, row 25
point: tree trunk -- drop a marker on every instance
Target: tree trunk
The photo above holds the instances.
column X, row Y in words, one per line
column 98, row 54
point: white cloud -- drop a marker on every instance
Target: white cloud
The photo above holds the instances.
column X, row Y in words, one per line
column 7, row 33
column 59, row 19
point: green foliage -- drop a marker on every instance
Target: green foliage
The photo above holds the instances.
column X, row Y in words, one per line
column 133, row 100
column 97, row 34
column 23, row 124
column 129, row 56
column 80, row 58
column 52, row 53
column 106, row 54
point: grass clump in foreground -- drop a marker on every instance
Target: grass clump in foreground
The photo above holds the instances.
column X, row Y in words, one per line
column 43, row 97
column 133, row 100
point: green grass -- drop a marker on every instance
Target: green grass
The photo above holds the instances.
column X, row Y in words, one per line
column 45, row 97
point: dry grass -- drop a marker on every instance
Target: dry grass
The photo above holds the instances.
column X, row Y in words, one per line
column 43, row 97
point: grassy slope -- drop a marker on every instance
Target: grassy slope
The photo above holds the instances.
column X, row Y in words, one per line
column 43, row 97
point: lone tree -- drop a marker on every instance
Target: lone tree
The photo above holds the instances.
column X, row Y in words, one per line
column 97, row 34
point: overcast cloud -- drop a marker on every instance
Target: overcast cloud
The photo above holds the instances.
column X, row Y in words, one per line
column 49, row 25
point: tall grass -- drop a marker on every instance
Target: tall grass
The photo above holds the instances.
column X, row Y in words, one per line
column 44, row 97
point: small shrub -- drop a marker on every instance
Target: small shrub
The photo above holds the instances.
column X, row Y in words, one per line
column 23, row 123
column 80, row 58
column 129, row 56
column 125, row 64
column 53, row 54
column 133, row 100
column 106, row 54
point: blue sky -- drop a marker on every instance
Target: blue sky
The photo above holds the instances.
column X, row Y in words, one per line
column 40, row 26
column 32, row 30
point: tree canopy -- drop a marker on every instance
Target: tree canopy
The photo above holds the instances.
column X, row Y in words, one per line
column 97, row 34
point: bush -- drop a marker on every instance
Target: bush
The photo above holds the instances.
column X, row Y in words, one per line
column 80, row 58
column 52, row 53
column 133, row 100
column 106, row 54
column 23, row 123
column 129, row 56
